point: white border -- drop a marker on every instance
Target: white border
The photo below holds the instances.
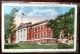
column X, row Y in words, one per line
column 39, row 50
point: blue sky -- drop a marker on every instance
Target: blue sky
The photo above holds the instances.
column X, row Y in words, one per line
column 35, row 14
column 27, row 9
column 7, row 9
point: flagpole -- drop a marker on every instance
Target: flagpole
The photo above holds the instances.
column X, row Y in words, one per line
column 22, row 17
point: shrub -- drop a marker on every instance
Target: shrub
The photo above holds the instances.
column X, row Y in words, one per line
column 10, row 46
column 64, row 46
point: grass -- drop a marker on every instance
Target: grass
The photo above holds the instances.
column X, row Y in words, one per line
column 64, row 46
column 27, row 45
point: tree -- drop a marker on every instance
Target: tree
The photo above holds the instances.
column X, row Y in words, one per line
column 6, row 23
column 65, row 22
column 10, row 29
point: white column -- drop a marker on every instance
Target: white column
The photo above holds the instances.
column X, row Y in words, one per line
column 25, row 38
column 17, row 36
column 23, row 34
column 36, row 36
column 60, row 36
column 9, row 41
column 20, row 34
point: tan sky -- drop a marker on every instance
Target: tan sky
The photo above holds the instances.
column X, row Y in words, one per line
column 33, row 19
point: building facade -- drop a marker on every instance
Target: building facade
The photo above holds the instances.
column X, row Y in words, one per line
column 37, row 32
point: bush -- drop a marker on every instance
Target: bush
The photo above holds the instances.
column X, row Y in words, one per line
column 10, row 46
column 64, row 46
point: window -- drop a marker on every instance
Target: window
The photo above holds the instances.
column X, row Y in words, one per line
column 21, row 37
column 35, row 35
column 21, row 30
column 41, row 27
column 35, row 29
column 38, row 35
column 44, row 27
column 38, row 28
column 44, row 34
column 24, row 29
column 49, row 33
column 41, row 35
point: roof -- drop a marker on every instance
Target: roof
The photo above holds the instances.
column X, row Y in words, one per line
column 30, row 24
column 39, row 23
column 24, row 25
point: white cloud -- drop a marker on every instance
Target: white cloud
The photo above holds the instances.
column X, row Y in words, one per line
column 36, row 15
column 43, row 12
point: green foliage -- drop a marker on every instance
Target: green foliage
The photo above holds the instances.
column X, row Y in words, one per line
column 64, row 46
column 7, row 18
column 14, row 10
column 8, row 46
column 9, row 26
column 64, row 21
column 34, row 45
column 9, row 23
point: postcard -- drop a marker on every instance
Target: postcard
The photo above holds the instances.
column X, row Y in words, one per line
column 39, row 27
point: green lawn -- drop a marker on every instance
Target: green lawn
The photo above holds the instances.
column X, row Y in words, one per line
column 27, row 45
